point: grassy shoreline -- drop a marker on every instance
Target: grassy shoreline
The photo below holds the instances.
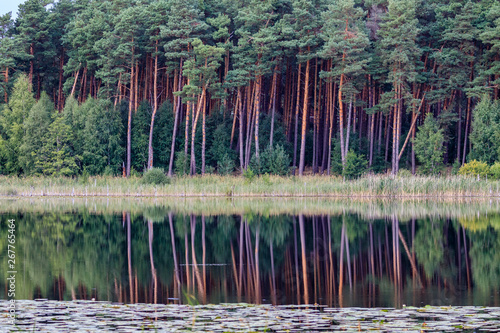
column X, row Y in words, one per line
column 380, row 186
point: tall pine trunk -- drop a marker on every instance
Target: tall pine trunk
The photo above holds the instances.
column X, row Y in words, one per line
column 129, row 122
column 155, row 108
column 297, row 106
column 176, row 121
column 304, row 120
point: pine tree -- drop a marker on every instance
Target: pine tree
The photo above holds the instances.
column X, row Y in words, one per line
column 398, row 35
column 32, row 28
column 184, row 25
column 346, row 44
column 200, row 70
column 8, row 50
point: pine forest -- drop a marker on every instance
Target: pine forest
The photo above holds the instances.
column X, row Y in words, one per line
column 331, row 87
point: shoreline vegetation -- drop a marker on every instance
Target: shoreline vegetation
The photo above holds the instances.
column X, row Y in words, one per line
column 369, row 186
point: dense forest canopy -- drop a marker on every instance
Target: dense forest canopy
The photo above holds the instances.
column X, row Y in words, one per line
column 321, row 86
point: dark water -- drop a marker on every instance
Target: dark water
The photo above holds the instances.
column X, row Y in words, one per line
column 159, row 254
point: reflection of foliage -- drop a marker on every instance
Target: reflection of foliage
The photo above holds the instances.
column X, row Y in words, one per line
column 429, row 247
column 88, row 251
column 480, row 223
column 485, row 259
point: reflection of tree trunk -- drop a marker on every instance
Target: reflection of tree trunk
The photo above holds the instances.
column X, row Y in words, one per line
column 296, row 259
column 241, row 258
column 466, row 257
column 204, row 255
column 174, row 253
column 250, row 260
column 129, row 259
column 331, row 278
column 372, row 258
column 273, row 294
column 153, row 270
column 186, row 251
column 348, row 255
column 412, row 262
column 304, row 259
column 193, row 258
column 341, row 269
column 257, row 274
column 459, row 251
column 235, row 273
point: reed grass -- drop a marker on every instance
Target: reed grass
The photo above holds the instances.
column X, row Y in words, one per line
column 264, row 186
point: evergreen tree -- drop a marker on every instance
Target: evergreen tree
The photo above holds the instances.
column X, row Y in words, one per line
column 429, row 146
column 55, row 155
column 485, row 131
column 32, row 29
column 184, row 25
column 345, row 44
column 35, row 129
column 400, row 53
column 11, row 123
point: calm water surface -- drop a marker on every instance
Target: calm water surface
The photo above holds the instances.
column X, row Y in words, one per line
column 342, row 254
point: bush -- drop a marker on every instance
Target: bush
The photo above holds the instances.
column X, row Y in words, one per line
column 474, row 168
column 273, row 160
column 355, row 165
column 225, row 166
column 181, row 165
column 155, row 176
column 404, row 173
column 495, row 170
column 249, row 175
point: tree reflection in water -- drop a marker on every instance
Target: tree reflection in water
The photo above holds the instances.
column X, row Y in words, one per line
column 163, row 256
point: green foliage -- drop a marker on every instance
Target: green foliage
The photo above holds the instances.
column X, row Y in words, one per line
column 219, row 146
column 225, row 166
column 35, row 129
column 474, row 168
column 140, row 135
column 273, row 160
column 405, row 173
column 485, row 133
column 12, row 127
column 429, row 146
column 355, row 165
column 181, row 164
column 249, row 175
column 495, row 170
column 155, row 176
column 55, row 157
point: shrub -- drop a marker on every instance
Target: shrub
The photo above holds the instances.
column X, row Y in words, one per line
column 155, row 176
column 474, row 168
column 495, row 170
column 225, row 166
column 209, row 169
column 273, row 160
column 249, row 175
column 181, row 166
column 355, row 165
column 404, row 173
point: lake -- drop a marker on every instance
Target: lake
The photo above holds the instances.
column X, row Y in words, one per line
column 338, row 253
